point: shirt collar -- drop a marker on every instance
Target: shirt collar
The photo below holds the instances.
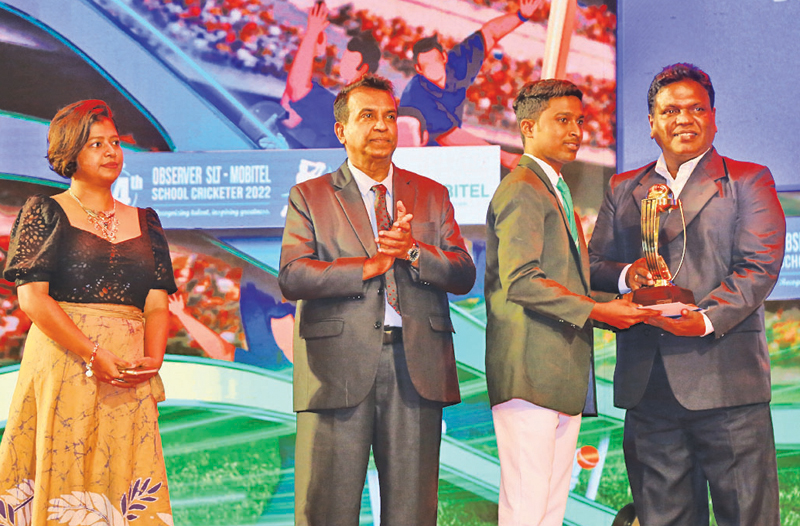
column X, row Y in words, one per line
column 365, row 182
column 551, row 174
column 684, row 172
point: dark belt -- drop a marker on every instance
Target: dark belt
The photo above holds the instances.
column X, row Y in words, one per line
column 392, row 335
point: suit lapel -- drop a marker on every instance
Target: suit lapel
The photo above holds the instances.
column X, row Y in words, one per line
column 533, row 166
column 584, row 254
column 583, row 262
column 350, row 200
column 700, row 188
column 647, row 178
column 403, row 191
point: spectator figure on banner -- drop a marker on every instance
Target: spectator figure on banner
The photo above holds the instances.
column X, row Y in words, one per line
column 412, row 127
column 268, row 325
column 439, row 90
column 310, row 106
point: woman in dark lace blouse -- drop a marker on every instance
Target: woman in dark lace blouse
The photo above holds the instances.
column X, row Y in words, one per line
column 93, row 275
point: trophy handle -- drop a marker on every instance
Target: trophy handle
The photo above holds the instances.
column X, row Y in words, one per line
column 683, row 253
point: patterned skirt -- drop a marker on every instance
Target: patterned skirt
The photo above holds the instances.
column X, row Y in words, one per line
column 78, row 451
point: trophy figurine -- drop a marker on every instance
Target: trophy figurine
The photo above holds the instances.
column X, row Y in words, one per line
column 660, row 199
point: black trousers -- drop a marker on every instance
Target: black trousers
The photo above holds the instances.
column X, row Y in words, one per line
column 333, row 446
column 675, row 456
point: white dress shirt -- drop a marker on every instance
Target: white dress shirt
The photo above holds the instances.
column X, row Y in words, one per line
column 675, row 184
column 365, row 183
column 551, row 174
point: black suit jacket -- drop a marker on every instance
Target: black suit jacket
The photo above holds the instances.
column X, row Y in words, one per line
column 735, row 233
column 338, row 330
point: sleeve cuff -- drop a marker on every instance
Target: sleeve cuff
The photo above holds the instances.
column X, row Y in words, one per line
column 31, row 277
column 709, row 326
column 623, row 287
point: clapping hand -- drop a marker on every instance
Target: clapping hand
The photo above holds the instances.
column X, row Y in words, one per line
column 397, row 241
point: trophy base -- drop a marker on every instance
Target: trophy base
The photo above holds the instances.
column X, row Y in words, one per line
column 647, row 296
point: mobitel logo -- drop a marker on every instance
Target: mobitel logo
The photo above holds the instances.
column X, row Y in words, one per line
column 472, row 191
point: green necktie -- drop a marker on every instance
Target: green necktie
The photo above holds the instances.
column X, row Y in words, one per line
column 567, row 196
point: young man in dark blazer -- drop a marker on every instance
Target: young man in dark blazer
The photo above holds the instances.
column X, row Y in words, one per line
column 539, row 328
column 374, row 362
column 696, row 388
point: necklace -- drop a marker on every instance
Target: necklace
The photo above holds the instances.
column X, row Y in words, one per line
column 106, row 223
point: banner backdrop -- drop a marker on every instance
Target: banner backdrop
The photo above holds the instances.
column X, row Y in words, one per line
column 249, row 189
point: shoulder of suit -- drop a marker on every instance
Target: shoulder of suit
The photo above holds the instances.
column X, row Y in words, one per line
column 316, row 184
column 737, row 169
column 522, row 175
column 521, row 185
column 630, row 175
column 418, row 180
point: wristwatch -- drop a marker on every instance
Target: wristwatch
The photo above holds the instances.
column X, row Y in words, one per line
column 413, row 253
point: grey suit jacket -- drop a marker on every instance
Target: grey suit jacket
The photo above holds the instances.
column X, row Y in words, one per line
column 338, row 330
column 538, row 333
column 735, row 233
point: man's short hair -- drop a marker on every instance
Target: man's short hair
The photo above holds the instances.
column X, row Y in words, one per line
column 340, row 110
column 676, row 73
column 365, row 44
column 534, row 97
column 424, row 45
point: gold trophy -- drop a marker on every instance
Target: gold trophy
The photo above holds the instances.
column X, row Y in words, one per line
column 660, row 199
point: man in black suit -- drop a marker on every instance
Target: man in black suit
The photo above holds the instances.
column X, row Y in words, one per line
column 373, row 348
column 696, row 388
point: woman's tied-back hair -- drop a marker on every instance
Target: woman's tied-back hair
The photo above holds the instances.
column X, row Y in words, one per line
column 69, row 131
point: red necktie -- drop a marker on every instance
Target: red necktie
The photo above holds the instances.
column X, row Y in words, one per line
column 385, row 223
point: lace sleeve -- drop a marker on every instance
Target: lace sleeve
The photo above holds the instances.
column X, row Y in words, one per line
column 33, row 248
column 164, row 278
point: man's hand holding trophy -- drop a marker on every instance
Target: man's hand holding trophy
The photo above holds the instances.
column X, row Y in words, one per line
column 650, row 279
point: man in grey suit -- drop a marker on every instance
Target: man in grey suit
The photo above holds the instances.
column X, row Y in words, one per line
column 374, row 362
column 539, row 328
column 696, row 388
